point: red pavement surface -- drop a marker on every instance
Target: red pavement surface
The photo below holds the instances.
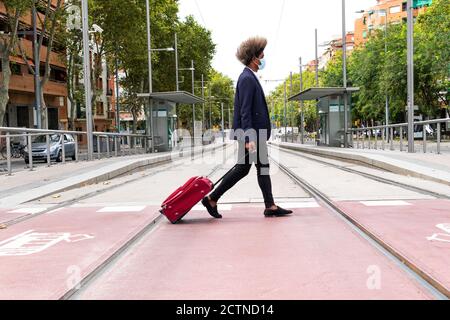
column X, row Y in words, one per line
column 310, row 255
column 406, row 228
column 28, row 273
column 6, row 216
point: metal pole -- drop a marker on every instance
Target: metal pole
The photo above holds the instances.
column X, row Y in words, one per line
column 47, row 140
column 223, row 131
column 410, row 53
column 117, row 95
column 344, row 71
column 302, row 128
column 150, row 85
column 87, row 79
column 203, row 104
column 317, row 60
column 176, row 77
column 8, row 152
column 107, row 147
column 30, row 153
column 98, row 147
column 176, row 63
column 285, row 103
column 210, row 111
column 385, row 52
column 290, row 109
column 76, row 148
column 37, row 60
column 438, row 138
column 193, row 110
column 63, row 148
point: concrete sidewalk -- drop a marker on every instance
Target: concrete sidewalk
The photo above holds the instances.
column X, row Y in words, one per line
column 26, row 186
column 426, row 166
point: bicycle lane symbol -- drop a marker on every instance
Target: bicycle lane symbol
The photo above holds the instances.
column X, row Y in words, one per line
column 443, row 237
column 30, row 242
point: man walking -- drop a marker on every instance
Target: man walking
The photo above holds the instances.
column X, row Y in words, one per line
column 251, row 128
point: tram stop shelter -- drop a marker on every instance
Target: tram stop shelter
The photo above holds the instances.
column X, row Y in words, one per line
column 331, row 114
column 161, row 116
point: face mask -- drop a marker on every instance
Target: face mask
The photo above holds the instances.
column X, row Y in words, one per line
column 262, row 64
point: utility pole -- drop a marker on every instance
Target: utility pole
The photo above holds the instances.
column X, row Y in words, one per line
column 150, row 86
column 223, row 131
column 285, row 103
column 87, row 79
column 317, row 60
column 203, row 104
column 177, row 88
column 290, row 109
column 410, row 54
column 344, row 71
column 37, row 63
column 117, row 92
column 302, row 129
column 193, row 110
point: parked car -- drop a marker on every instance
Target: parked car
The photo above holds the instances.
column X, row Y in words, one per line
column 418, row 131
column 39, row 148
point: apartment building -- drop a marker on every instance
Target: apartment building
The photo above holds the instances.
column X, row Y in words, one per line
column 20, row 111
column 385, row 11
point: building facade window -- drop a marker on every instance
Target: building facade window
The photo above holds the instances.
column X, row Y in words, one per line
column 100, row 108
column 395, row 9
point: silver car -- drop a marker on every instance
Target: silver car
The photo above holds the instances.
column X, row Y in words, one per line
column 39, row 148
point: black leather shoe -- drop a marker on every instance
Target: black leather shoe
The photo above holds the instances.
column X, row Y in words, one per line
column 211, row 210
column 277, row 212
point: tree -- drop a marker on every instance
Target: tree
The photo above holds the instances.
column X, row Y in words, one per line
column 49, row 26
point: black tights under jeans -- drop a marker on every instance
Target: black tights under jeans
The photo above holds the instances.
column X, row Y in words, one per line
column 243, row 168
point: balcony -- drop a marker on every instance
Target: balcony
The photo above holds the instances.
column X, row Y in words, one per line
column 25, row 83
column 55, row 58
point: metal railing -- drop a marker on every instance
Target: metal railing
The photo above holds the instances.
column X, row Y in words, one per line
column 389, row 133
column 106, row 144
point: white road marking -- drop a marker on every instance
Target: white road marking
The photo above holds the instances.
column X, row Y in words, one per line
column 298, row 205
column 122, row 209
column 30, row 242
column 221, row 207
column 29, row 210
column 385, row 203
column 442, row 237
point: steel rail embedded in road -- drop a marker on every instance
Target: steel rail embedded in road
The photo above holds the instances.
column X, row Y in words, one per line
column 369, row 176
column 98, row 192
column 423, row 278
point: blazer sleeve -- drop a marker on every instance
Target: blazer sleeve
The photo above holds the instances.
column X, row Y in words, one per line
column 247, row 93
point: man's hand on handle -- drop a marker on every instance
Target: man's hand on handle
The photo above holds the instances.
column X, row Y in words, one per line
column 251, row 146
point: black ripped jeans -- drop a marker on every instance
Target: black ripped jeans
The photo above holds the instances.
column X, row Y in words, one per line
column 261, row 160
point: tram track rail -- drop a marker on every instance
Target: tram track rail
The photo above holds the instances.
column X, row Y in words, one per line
column 424, row 279
column 367, row 175
column 74, row 292
column 92, row 194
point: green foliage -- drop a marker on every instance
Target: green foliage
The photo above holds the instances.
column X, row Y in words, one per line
column 379, row 68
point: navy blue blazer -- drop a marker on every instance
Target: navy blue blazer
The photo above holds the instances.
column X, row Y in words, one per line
column 250, row 108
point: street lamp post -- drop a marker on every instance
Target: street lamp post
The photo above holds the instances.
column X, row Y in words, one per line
column 87, row 80
column 410, row 54
column 223, row 129
column 302, row 105
column 317, row 59
column 344, row 71
column 150, row 87
column 290, row 109
column 285, row 105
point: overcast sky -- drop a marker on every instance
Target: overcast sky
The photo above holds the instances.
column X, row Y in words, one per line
column 287, row 24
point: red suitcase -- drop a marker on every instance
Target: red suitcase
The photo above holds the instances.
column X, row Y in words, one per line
column 185, row 197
